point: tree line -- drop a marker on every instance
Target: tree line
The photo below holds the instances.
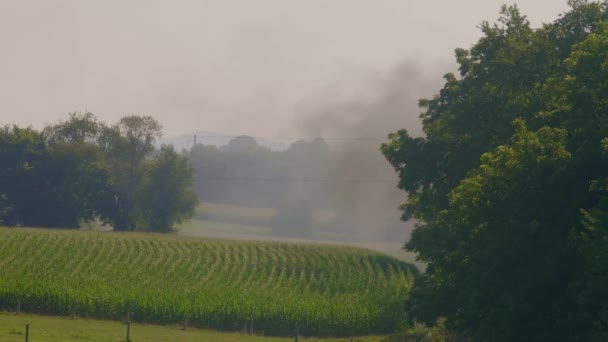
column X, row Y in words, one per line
column 509, row 184
column 311, row 186
column 247, row 174
column 82, row 169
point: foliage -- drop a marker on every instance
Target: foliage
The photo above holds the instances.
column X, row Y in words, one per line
column 127, row 145
column 246, row 174
column 313, row 189
column 507, row 183
column 81, row 169
column 163, row 196
column 23, row 158
column 219, row 284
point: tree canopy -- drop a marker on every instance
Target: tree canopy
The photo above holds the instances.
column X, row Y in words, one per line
column 81, row 169
column 508, row 183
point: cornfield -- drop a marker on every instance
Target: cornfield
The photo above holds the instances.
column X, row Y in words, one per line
column 273, row 287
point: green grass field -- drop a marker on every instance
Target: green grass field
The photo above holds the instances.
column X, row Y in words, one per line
column 322, row 289
column 63, row 329
column 234, row 213
column 241, row 215
column 219, row 229
column 201, row 228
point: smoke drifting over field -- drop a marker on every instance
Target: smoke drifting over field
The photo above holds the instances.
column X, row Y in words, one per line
column 355, row 125
column 336, row 182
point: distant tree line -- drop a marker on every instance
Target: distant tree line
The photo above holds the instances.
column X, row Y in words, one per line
column 312, row 186
column 82, row 169
column 245, row 173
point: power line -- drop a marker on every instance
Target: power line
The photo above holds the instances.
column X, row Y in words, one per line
column 372, row 139
column 285, row 180
column 281, row 180
column 297, row 180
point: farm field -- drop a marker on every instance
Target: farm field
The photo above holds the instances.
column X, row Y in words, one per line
column 64, row 329
column 231, row 231
column 247, row 215
column 234, row 213
column 272, row 287
column 237, row 231
column 209, row 228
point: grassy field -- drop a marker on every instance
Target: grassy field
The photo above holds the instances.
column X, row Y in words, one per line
column 322, row 289
column 63, row 329
column 219, row 229
column 236, row 214
column 206, row 228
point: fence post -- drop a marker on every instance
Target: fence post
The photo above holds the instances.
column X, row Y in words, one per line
column 297, row 332
column 73, row 309
column 18, row 306
column 128, row 331
column 27, row 332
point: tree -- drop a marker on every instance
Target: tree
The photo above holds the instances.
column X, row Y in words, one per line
column 164, row 196
column 242, row 142
column 581, row 107
column 80, row 128
column 592, row 271
column 127, row 145
column 23, row 159
column 80, row 169
column 77, row 185
column 48, row 179
column 78, row 173
column 501, row 177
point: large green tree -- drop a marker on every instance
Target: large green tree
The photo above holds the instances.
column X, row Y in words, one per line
column 54, row 178
column 78, row 175
column 80, row 170
column 164, row 196
column 507, row 183
column 23, row 161
column 127, row 145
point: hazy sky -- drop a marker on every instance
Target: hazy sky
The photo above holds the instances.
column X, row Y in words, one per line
column 224, row 66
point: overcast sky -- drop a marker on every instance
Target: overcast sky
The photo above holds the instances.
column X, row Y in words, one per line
column 224, row 66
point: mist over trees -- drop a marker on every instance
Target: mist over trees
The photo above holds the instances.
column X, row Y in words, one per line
column 82, row 170
column 509, row 183
column 247, row 174
column 308, row 185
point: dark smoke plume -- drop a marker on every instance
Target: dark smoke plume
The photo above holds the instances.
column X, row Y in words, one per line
column 366, row 198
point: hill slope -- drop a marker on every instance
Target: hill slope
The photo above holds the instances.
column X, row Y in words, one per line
column 212, row 283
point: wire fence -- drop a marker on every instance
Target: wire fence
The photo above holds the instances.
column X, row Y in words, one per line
column 298, row 333
column 127, row 328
